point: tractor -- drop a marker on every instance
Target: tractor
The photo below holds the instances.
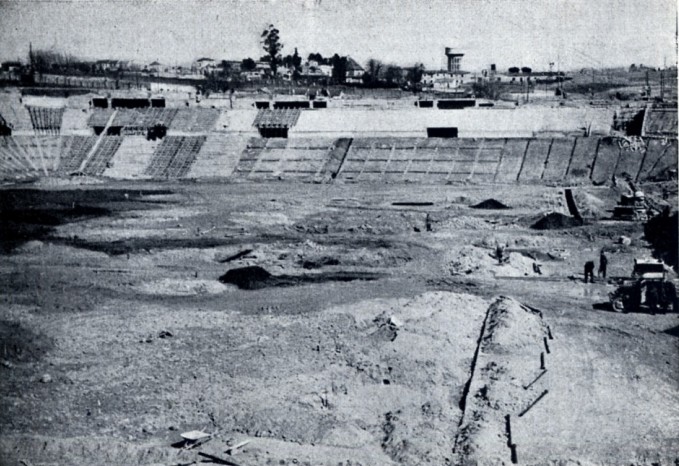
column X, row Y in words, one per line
column 648, row 290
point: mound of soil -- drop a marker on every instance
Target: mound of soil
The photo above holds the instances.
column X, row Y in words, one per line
column 512, row 325
column 248, row 278
column 490, row 204
column 555, row 221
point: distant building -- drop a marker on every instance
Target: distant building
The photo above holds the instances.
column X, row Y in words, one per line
column 11, row 66
column 454, row 60
column 154, row 67
column 232, row 65
column 355, row 71
column 205, row 64
column 110, row 65
column 452, row 78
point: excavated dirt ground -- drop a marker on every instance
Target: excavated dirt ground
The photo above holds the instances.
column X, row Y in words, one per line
column 386, row 334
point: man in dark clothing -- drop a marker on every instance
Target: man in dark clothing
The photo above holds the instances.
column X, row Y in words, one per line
column 589, row 271
column 603, row 263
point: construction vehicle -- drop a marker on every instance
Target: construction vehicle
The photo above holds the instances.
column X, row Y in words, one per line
column 632, row 208
column 648, row 290
column 638, row 206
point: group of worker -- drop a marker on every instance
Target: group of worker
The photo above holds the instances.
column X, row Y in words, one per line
column 603, row 265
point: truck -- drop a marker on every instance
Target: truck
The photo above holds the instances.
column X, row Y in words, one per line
column 649, row 289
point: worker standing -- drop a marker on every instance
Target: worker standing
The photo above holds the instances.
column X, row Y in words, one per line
column 589, row 271
column 603, row 264
column 500, row 253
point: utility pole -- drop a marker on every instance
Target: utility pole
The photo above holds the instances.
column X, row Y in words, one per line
column 527, row 89
column 648, row 88
column 662, row 85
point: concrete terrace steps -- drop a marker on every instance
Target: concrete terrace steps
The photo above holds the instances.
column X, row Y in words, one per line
column 35, row 154
column 46, row 120
column 75, row 153
column 508, row 160
column 573, row 160
column 286, row 159
column 174, row 156
column 194, row 120
column 103, row 155
column 218, row 156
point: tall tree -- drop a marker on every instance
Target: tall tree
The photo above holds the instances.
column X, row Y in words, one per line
column 296, row 64
column 415, row 74
column 372, row 72
column 393, row 75
column 248, row 64
column 271, row 43
column 339, row 69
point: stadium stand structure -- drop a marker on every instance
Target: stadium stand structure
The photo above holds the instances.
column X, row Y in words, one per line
column 174, row 156
column 511, row 160
column 46, row 120
column 74, row 122
column 103, row 154
column 276, row 123
column 74, row 153
column 292, row 159
column 248, row 158
column 194, row 120
column 131, row 158
column 660, row 122
column 16, row 115
column 14, row 159
column 133, row 121
column 218, row 157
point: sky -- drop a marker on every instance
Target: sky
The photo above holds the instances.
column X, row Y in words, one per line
column 571, row 33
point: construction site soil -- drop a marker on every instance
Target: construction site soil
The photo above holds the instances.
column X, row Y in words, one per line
column 326, row 324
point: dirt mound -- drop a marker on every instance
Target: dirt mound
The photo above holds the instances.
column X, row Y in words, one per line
column 555, row 221
column 248, row 278
column 512, row 325
column 470, row 260
column 490, row 204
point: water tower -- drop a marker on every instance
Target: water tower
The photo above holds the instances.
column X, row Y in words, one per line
column 454, row 60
